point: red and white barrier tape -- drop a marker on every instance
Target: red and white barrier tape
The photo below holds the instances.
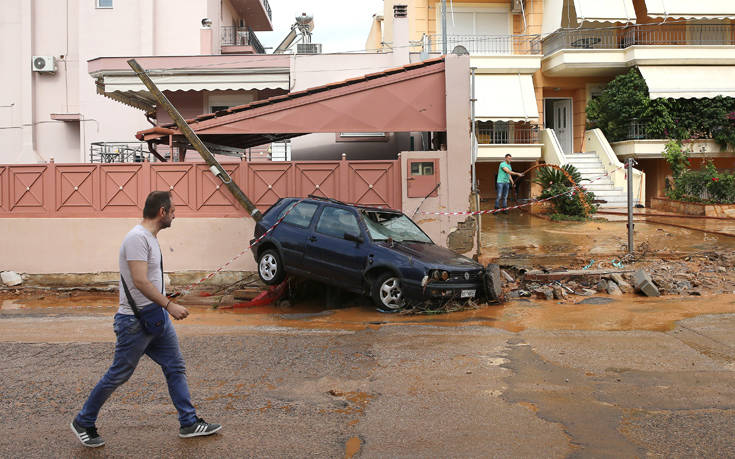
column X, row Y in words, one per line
column 571, row 192
column 188, row 288
column 536, row 201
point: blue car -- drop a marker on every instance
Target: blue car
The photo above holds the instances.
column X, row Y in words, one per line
column 377, row 252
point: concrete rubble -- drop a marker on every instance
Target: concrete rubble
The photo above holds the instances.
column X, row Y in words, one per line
column 11, row 278
column 693, row 275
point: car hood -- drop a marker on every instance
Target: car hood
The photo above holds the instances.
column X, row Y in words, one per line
column 432, row 254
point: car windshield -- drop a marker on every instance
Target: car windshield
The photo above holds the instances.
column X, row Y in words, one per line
column 389, row 225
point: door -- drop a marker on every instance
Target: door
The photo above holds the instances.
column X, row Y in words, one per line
column 562, row 123
column 332, row 258
column 292, row 234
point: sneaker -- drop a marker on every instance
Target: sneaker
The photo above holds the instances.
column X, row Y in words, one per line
column 88, row 436
column 199, row 428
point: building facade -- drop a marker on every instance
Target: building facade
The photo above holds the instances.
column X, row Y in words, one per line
column 51, row 108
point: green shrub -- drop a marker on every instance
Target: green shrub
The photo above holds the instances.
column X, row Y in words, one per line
column 554, row 182
column 626, row 99
column 706, row 185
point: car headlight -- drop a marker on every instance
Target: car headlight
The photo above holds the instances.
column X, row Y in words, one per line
column 438, row 275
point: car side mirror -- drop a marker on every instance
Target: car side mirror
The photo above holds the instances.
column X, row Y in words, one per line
column 353, row 238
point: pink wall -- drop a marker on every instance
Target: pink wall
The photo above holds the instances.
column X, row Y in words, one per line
column 88, row 245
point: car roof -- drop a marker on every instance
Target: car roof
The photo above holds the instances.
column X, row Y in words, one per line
column 321, row 199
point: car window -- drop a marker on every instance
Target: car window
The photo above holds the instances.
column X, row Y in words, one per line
column 385, row 225
column 300, row 215
column 336, row 222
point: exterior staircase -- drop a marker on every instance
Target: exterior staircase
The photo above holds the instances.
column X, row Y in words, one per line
column 590, row 167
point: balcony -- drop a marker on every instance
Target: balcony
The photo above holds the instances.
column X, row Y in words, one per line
column 589, row 52
column 644, row 35
column 497, row 138
column 240, row 40
column 485, row 45
column 257, row 13
column 643, row 143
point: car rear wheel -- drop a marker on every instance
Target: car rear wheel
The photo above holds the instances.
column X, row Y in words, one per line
column 387, row 292
column 270, row 268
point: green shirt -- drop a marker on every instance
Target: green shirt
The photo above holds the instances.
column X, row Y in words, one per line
column 503, row 176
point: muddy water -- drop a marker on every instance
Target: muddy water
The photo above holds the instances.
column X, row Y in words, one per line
column 524, row 236
column 88, row 318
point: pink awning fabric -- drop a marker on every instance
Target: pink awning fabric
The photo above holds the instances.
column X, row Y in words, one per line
column 403, row 99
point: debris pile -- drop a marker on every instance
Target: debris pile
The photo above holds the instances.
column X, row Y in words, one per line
column 703, row 274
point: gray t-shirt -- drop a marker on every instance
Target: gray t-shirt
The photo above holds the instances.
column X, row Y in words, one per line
column 139, row 244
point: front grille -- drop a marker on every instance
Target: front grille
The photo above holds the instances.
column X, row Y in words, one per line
column 458, row 276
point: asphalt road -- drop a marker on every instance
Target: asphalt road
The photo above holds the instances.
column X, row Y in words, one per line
column 394, row 389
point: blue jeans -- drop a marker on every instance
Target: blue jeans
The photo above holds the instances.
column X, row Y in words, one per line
column 503, row 189
column 131, row 344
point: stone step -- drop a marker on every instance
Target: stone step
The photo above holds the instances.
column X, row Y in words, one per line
column 610, row 194
column 595, row 187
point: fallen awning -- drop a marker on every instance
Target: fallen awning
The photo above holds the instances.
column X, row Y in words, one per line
column 411, row 98
column 685, row 82
column 690, row 9
column 607, row 11
column 505, row 97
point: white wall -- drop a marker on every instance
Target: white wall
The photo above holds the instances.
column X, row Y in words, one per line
column 78, row 31
column 310, row 70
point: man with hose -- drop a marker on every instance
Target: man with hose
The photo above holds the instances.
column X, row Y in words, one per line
column 503, row 182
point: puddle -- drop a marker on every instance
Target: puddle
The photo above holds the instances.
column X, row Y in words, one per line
column 352, row 447
column 10, row 304
column 74, row 322
column 520, row 235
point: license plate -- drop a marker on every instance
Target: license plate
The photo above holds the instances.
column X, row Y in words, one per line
column 467, row 294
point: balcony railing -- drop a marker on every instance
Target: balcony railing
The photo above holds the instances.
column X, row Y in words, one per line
column 241, row 36
column 268, row 9
column 641, row 34
column 485, row 44
column 502, row 133
column 120, row 152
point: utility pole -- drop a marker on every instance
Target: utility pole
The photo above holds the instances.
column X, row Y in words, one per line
column 444, row 27
column 629, row 170
column 196, row 142
column 475, row 188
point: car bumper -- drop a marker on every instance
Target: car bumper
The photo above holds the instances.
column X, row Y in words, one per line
column 443, row 291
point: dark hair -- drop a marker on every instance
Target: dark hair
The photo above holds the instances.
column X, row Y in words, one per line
column 508, row 154
column 156, row 200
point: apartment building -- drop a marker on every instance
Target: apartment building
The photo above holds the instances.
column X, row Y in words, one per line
column 539, row 62
column 51, row 108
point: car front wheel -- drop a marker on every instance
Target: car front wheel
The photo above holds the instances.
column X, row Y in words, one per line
column 387, row 292
column 270, row 268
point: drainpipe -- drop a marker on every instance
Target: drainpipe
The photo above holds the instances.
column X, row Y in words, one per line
column 475, row 190
column 444, row 27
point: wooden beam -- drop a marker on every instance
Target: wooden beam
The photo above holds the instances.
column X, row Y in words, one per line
column 195, row 141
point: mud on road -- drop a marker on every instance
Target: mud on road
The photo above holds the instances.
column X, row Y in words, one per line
column 634, row 377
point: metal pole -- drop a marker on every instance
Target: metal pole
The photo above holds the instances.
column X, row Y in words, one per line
column 475, row 188
column 196, row 142
column 444, row 27
column 630, row 205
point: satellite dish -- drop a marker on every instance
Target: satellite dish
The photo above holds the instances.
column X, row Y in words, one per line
column 460, row 50
column 305, row 22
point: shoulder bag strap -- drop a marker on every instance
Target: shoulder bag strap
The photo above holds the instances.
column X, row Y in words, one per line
column 163, row 281
column 130, row 298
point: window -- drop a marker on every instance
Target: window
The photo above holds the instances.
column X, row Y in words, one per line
column 422, row 168
column 336, row 222
column 362, row 137
column 104, row 3
column 300, row 215
column 217, row 108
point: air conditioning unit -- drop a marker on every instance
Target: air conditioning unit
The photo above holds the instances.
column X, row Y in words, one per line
column 308, row 48
column 45, row 64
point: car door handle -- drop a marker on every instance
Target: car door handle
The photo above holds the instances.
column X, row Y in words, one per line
column 312, row 239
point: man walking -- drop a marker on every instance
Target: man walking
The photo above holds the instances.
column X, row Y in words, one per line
column 141, row 273
column 504, row 182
